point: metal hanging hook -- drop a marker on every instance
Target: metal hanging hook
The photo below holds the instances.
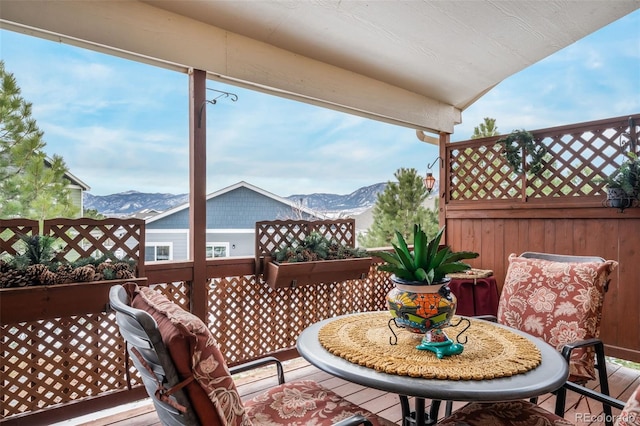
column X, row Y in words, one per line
column 232, row 96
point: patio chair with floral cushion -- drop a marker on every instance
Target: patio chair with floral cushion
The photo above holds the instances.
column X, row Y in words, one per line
column 188, row 380
column 525, row 413
column 559, row 299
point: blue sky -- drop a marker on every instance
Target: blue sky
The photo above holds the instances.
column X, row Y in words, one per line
column 122, row 125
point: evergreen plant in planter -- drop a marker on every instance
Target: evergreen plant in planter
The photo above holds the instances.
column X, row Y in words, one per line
column 313, row 260
column 623, row 185
column 34, row 285
column 421, row 301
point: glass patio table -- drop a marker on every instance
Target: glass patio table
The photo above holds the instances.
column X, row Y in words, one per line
column 371, row 361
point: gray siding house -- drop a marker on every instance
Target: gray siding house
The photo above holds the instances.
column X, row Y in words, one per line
column 232, row 213
column 76, row 188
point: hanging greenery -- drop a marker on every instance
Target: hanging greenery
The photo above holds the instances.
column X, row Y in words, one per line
column 513, row 146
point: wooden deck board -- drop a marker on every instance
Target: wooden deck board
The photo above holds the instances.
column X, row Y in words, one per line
column 622, row 381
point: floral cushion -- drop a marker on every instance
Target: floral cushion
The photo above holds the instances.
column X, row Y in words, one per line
column 630, row 415
column 560, row 302
column 510, row 413
column 304, row 403
column 204, row 359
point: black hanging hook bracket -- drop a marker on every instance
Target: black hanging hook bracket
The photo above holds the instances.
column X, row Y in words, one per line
column 232, row 96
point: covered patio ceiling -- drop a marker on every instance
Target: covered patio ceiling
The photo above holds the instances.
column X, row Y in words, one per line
column 412, row 63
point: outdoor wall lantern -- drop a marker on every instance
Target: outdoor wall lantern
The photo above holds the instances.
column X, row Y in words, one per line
column 429, row 179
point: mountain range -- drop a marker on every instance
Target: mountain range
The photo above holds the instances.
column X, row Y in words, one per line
column 130, row 202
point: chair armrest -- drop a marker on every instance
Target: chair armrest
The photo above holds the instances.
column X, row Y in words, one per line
column 593, row 394
column 491, row 318
column 251, row 365
column 353, row 421
column 567, row 348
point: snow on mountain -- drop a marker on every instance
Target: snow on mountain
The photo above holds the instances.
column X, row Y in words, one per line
column 130, row 202
column 356, row 202
column 333, row 205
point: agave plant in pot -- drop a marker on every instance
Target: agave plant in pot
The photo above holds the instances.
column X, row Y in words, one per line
column 421, row 301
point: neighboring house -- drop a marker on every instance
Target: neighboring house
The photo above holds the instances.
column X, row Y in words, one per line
column 76, row 188
column 232, row 213
column 144, row 214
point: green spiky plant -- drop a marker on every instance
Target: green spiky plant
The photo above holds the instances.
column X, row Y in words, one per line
column 427, row 263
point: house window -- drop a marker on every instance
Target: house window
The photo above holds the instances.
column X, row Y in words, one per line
column 217, row 250
column 158, row 251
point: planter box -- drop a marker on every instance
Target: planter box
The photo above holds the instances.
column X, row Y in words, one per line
column 289, row 275
column 34, row 303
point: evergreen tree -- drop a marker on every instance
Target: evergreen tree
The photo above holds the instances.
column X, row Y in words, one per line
column 485, row 129
column 31, row 186
column 399, row 207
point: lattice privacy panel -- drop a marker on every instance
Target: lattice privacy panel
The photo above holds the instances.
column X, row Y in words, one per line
column 64, row 360
column 273, row 234
column 80, row 238
column 576, row 155
column 124, row 238
column 10, row 232
column 249, row 319
column 60, row 360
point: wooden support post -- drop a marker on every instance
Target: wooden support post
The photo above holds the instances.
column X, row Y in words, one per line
column 198, row 191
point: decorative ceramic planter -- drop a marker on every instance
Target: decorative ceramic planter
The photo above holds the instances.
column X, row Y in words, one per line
column 619, row 199
column 289, row 275
column 425, row 310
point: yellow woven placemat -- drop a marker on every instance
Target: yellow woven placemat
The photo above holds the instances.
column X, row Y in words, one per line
column 490, row 351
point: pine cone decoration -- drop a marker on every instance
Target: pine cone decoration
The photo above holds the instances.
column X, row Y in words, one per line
column 48, row 277
column 64, row 274
column 124, row 274
column 104, row 265
column 121, row 266
column 13, row 278
column 84, row 273
column 34, row 272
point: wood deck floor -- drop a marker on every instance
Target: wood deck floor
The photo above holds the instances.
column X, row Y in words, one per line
column 622, row 381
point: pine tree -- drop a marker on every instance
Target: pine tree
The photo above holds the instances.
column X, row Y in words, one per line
column 485, row 129
column 31, row 186
column 399, row 207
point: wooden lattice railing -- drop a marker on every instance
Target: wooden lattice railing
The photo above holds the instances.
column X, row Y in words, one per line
column 56, row 361
column 576, row 154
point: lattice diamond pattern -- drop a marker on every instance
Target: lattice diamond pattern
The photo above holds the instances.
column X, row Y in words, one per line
column 271, row 235
column 60, row 360
column 12, row 229
column 250, row 319
column 478, row 173
column 85, row 237
column 574, row 158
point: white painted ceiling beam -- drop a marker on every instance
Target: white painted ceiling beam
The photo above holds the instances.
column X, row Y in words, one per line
column 148, row 34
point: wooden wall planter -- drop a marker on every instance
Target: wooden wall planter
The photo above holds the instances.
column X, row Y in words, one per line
column 25, row 304
column 271, row 235
column 290, row 275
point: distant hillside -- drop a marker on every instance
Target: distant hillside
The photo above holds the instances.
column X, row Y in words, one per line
column 130, row 202
column 359, row 200
column 127, row 203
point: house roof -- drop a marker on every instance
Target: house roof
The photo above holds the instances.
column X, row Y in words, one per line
column 241, row 184
column 71, row 177
column 417, row 64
